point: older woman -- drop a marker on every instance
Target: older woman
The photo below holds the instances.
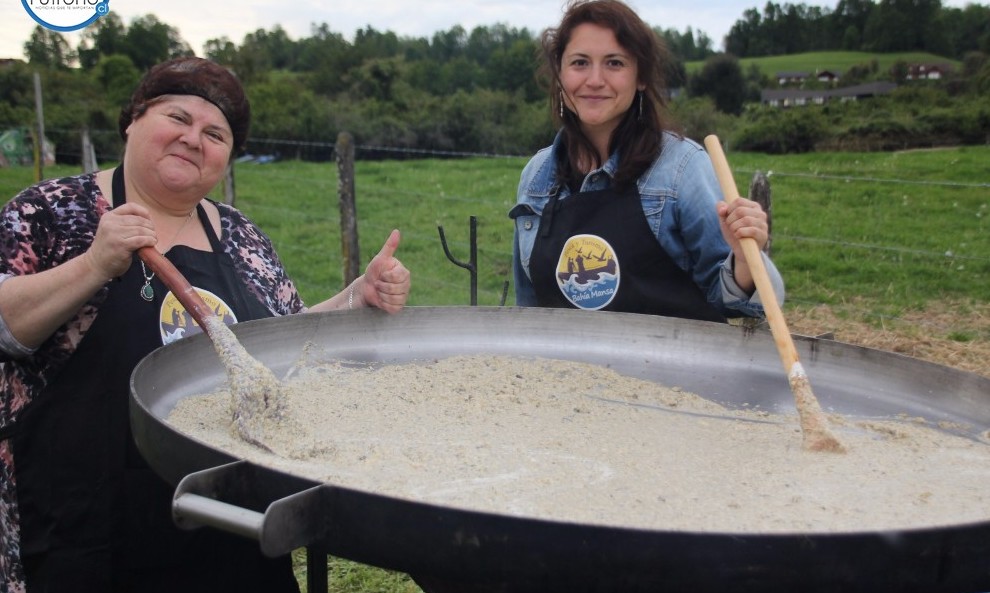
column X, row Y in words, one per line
column 621, row 213
column 79, row 508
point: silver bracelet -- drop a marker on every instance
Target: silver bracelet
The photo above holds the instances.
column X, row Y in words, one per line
column 350, row 297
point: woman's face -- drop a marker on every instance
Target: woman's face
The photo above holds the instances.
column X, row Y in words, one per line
column 182, row 142
column 599, row 78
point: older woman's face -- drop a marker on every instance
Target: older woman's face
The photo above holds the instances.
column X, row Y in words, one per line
column 599, row 78
column 182, row 142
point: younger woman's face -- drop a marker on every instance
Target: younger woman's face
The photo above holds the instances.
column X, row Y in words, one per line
column 599, row 78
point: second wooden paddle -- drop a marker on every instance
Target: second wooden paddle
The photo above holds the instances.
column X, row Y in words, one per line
column 817, row 436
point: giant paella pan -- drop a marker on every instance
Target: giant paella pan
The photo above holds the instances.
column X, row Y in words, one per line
column 508, row 552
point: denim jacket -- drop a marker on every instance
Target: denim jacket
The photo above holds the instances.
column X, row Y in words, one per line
column 679, row 193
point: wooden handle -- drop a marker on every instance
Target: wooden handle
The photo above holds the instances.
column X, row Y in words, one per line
column 754, row 257
column 177, row 283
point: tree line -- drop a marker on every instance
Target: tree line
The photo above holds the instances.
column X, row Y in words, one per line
column 862, row 25
column 458, row 90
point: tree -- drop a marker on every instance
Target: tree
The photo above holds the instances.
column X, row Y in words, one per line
column 906, row 25
column 16, row 95
column 221, row 50
column 447, row 45
column 685, row 45
column 721, row 78
column 370, row 43
column 327, row 57
column 375, row 78
column 967, row 29
column 106, row 37
column 48, row 49
column 699, row 118
column 744, row 38
column 150, row 41
column 848, row 21
column 460, row 74
column 514, row 70
column 118, row 77
column 484, row 42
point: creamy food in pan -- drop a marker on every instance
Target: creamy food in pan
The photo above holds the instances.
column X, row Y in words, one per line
column 577, row 442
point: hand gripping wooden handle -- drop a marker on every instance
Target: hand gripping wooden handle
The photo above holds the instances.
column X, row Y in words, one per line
column 814, row 425
column 754, row 258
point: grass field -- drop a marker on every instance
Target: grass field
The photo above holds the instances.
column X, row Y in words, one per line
column 891, row 248
column 892, row 231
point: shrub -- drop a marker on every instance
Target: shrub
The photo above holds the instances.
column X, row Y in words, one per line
column 783, row 131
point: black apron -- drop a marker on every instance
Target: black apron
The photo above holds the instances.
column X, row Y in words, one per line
column 595, row 251
column 94, row 516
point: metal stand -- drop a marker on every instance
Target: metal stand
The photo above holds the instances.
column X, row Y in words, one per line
column 471, row 266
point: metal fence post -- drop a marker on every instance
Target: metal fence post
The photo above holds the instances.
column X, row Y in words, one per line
column 472, row 264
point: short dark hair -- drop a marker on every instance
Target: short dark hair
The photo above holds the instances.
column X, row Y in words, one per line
column 192, row 76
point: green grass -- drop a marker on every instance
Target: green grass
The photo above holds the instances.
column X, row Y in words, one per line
column 835, row 61
column 296, row 204
column 892, row 231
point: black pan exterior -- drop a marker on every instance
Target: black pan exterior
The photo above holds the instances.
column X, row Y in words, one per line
column 725, row 363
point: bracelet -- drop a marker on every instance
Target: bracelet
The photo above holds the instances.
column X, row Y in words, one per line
column 350, row 297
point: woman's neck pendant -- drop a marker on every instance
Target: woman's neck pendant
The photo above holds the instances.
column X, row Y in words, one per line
column 147, row 291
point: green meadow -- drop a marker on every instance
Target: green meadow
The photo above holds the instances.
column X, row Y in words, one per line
column 887, row 232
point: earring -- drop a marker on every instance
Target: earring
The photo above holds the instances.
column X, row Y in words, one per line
column 561, row 104
column 640, row 105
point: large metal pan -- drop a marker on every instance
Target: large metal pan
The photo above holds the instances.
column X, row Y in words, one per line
column 509, row 553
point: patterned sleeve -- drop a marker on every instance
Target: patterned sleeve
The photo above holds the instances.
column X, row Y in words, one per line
column 41, row 228
column 257, row 263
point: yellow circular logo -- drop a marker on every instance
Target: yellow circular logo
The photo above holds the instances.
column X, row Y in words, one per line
column 588, row 272
column 176, row 323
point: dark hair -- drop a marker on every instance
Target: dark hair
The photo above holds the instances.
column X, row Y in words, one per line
column 192, row 76
column 638, row 135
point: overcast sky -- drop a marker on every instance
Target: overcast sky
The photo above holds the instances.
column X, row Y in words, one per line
column 199, row 20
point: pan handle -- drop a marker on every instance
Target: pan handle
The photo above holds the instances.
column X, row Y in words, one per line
column 252, row 506
column 228, row 517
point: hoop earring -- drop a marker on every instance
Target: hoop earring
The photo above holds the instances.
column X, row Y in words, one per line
column 640, row 105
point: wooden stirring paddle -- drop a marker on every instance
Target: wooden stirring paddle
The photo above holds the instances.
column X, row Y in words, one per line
column 258, row 401
column 817, row 436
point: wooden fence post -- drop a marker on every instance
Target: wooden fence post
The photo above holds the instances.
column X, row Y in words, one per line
column 39, row 144
column 229, row 193
column 89, row 163
column 759, row 192
column 348, row 210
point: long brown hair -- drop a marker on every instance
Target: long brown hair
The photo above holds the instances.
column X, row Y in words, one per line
column 639, row 134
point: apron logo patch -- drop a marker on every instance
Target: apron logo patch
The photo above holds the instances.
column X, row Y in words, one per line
column 588, row 272
column 176, row 323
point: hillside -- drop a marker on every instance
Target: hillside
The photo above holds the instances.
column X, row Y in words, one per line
column 829, row 60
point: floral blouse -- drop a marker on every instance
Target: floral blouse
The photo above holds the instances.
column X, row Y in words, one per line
column 47, row 225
